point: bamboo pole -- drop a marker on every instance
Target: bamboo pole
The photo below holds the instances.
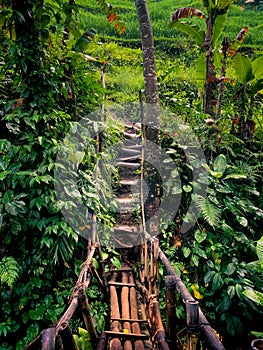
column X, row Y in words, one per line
column 102, row 342
column 192, row 321
column 102, row 268
column 68, row 314
column 212, row 341
column 157, row 324
column 86, row 264
column 48, row 341
column 68, row 339
column 115, row 343
column 142, row 308
column 82, row 282
column 84, row 305
column 170, row 310
column 139, row 345
column 125, row 306
column 257, row 344
column 155, row 265
column 59, row 344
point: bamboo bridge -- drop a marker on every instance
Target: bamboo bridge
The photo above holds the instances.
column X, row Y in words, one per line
column 135, row 320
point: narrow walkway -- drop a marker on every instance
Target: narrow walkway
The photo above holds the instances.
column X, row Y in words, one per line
column 127, row 229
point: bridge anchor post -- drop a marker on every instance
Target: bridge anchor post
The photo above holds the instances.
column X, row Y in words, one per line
column 170, row 284
column 192, row 319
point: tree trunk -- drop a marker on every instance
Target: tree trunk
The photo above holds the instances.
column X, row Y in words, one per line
column 149, row 68
column 211, row 80
column 68, row 19
column 151, row 120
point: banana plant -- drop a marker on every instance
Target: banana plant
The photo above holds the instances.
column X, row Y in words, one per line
column 250, row 76
column 215, row 17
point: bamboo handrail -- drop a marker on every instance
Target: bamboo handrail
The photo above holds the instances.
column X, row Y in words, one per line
column 212, row 341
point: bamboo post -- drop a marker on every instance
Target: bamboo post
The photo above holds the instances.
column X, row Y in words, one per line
column 68, row 339
column 212, row 341
column 102, row 268
column 59, row 345
column 170, row 309
column 48, row 341
column 257, row 344
column 157, row 325
column 192, row 320
column 102, row 342
column 155, row 265
column 125, row 306
column 84, row 305
column 146, row 326
column 115, row 343
column 134, row 314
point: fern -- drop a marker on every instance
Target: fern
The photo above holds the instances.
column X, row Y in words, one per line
column 210, row 212
column 8, row 271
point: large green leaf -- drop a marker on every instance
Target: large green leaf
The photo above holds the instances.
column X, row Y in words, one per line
column 257, row 67
column 254, row 295
column 243, row 68
column 186, row 12
column 217, row 281
column 200, row 72
column 236, row 44
column 84, row 40
column 257, row 86
column 218, row 27
column 220, row 163
column 224, row 4
column 194, row 31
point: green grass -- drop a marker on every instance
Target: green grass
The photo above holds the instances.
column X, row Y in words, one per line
column 160, row 13
column 124, row 75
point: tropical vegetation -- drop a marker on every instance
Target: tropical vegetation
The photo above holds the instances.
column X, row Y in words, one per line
column 52, row 58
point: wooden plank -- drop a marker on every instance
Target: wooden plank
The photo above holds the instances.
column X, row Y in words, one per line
column 130, row 320
column 129, row 165
column 127, row 335
column 121, row 284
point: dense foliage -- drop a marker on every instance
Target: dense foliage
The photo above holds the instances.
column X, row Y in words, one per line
column 51, row 62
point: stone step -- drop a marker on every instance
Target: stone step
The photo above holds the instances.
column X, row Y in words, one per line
column 126, row 228
column 130, row 151
column 126, row 203
column 132, row 146
column 129, row 182
column 131, row 135
column 129, row 158
column 127, row 236
column 135, row 126
column 129, row 164
column 132, row 143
